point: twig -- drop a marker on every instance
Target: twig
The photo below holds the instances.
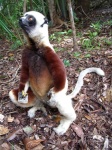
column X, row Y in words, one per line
column 99, row 104
column 85, row 13
column 13, row 112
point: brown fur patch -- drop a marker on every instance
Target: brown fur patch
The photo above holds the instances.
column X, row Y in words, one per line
column 55, row 66
column 35, row 70
column 43, row 70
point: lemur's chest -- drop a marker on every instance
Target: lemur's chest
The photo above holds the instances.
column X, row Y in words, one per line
column 39, row 75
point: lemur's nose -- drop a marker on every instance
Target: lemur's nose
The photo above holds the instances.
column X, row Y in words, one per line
column 20, row 20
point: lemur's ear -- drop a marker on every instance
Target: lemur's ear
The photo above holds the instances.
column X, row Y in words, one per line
column 45, row 22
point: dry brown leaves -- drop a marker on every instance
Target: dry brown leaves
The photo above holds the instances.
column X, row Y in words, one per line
column 3, row 130
column 31, row 144
column 78, row 130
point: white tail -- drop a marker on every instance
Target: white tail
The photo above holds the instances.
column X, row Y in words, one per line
column 79, row 83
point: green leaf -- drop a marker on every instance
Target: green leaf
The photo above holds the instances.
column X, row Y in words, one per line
column 66, row 63
column 95, row 33
column 87, row 56
column 77, row 54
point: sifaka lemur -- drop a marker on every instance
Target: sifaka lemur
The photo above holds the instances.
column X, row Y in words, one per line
column 43, row 73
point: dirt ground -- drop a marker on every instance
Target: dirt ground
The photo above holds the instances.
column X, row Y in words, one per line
column 92, row 129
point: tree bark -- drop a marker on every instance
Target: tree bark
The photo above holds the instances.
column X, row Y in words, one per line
column 52, row 10
column 31, row 5
column 24, row 6
column 72, row 25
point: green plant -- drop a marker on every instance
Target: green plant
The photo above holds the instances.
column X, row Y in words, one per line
column 87, row 43
column 96, row 26
column 69, row 32
column 107, row 41
column 52, row 37
column 17, row 43
column 66, row 62
column 77, row 54
column 8, row 20
column 92, row 34
column 79, row 34
column 92, row 41
column 87, row 55
column 109, row 22
column 57, row 49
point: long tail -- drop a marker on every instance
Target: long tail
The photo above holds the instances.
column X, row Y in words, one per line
column 79, row 83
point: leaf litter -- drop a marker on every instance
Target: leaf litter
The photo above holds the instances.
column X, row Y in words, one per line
column 93, row 104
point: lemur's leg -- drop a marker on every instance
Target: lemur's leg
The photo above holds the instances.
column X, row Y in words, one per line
column 67, row 119
column 32, row 101
column 63, row 126
column 38, row 106
column 64, row 105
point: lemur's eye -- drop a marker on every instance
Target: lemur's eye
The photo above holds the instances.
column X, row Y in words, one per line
column 30, row 19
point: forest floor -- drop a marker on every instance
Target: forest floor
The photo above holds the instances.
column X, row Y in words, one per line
column 92, row 130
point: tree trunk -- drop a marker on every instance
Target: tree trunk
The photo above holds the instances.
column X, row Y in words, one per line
column 52, row 10
column 31, row 5
column 24, row 6
column 72, row 25
column 53, row 15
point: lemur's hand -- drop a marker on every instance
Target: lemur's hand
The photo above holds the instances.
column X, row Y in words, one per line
column 24, row 93
column 22, row 97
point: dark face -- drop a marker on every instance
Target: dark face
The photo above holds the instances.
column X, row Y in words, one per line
column 27, row 22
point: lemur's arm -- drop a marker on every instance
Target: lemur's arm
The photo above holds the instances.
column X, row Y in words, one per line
column 23, row 86
column 56, row 68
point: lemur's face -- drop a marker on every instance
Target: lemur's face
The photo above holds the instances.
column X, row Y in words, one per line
column 34, row 24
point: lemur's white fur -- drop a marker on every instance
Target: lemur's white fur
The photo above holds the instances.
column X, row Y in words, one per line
column 39, row 33
column 60, row 100
column 26, row 87
column 64, row 102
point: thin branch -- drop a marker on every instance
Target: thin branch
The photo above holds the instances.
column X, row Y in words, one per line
column 73, row 25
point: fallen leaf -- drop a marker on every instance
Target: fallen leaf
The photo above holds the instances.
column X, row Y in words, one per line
column 10, row 119
column 5, row 146
column 39, row 147
column 78, row 130
column 80, row 101
column 87, row 117
column 1, row 118
column 28, row 130
column 14, row 134
column 11, row 54
column 3, row 130
column 30, row 144
column 109, row 95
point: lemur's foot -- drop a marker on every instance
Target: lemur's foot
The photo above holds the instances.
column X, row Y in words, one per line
column 32, row 111
column 60, row 130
